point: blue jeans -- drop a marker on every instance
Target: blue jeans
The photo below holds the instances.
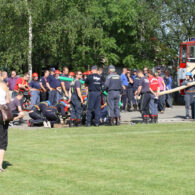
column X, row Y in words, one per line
column 54, row 97
column 153, row 105
column 35, row 98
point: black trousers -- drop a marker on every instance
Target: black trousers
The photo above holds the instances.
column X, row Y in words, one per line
column 145, row 100
column 124, row 98
column 3, row 134
column 52, row 117
column 36, row 118
column 94, row 104
column 44, row 96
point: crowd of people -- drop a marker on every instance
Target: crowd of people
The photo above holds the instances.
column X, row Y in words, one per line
column 88, row 98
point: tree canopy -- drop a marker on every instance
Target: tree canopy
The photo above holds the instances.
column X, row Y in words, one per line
column 81, row 33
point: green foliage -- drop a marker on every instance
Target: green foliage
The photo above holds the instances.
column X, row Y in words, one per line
column 140, row 159
column 81, row 33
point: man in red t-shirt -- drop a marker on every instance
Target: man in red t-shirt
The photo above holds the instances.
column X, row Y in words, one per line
column 154, row 89
column 22, row 84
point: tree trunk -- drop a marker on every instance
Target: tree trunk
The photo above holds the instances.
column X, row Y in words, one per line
column 30, row 37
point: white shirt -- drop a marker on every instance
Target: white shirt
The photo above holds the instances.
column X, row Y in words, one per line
column 2, row 96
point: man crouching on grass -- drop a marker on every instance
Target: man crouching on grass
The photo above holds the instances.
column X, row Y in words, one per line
column 16, row 108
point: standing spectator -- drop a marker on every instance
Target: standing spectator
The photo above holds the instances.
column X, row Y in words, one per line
column 125, row 83
column 113, row 85
column 144, row 91
column 76, row 100
column 11, row 82
column 100, row 72
column 4, row 99
column 35, row 89
column 65, row 84
column 161, row 103
column 94, row 84
column 130, row 94
column 54, row 84
column 168, row 83
column 146, row 71
column 159, row 71
column 44, row 88
column 189, row 95
column 154, row 89
column 136, row 80
column 4, row 76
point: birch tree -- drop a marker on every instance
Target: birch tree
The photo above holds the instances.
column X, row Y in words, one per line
column 30, row 37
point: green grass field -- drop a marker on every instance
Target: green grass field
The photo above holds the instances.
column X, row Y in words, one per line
column 140, row 159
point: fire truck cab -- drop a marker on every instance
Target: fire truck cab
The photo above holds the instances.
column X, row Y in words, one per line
column 186, row 60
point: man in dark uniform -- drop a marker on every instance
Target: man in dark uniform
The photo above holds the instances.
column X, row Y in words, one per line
column 144, row 91
column 35, row 89
column 43, row 83
column 94, row 85
column 136, row 80
column 37, row 114
column 113, row 85
column 76, row 100
column 53, row 114
column 54, row 84
column 65, row 84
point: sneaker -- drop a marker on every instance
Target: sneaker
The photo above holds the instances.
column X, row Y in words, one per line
column 11, row 124
column 187, row 117
column 45, row 124
column 48, row 124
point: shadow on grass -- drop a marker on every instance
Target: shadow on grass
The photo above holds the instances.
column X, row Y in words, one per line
column 6, row 164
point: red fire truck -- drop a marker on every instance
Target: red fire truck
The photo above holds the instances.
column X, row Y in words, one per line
column 186, row 60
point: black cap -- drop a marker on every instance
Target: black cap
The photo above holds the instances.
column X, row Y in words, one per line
column 158, row 68
column 52, row 69
column 134, row 70
column 94, row 68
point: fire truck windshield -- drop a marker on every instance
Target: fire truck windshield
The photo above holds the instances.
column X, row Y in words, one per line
column 183, row 55
column 192, row 53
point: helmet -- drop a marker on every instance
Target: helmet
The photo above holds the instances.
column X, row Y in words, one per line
column 49, row 103
column 57, row 72
column 72, row 74
column 34, row 74
column 189, row 74
column 88, row 72
column 63, row 103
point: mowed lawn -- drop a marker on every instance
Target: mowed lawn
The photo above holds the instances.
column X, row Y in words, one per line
column 139, row 159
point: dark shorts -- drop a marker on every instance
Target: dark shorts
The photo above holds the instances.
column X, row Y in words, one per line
column 3, row 134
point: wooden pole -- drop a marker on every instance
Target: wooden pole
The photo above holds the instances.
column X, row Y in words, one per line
column 176, row 89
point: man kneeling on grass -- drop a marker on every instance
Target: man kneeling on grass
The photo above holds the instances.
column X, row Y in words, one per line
column 16, row 108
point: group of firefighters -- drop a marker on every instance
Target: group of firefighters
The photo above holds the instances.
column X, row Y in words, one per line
column 89, row 98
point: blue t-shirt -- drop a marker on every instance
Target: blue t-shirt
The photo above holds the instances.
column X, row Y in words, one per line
column 54, row 83
column 124, row 80
column 43, row 80
column 35, row 84
column 67, row 84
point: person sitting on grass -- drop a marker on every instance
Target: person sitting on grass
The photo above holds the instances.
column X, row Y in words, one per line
column 16, row 108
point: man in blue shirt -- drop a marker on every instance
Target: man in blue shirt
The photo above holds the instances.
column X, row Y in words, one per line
column 125, row 83
column 54, row 85
column 44, row 88
column 35, row 89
